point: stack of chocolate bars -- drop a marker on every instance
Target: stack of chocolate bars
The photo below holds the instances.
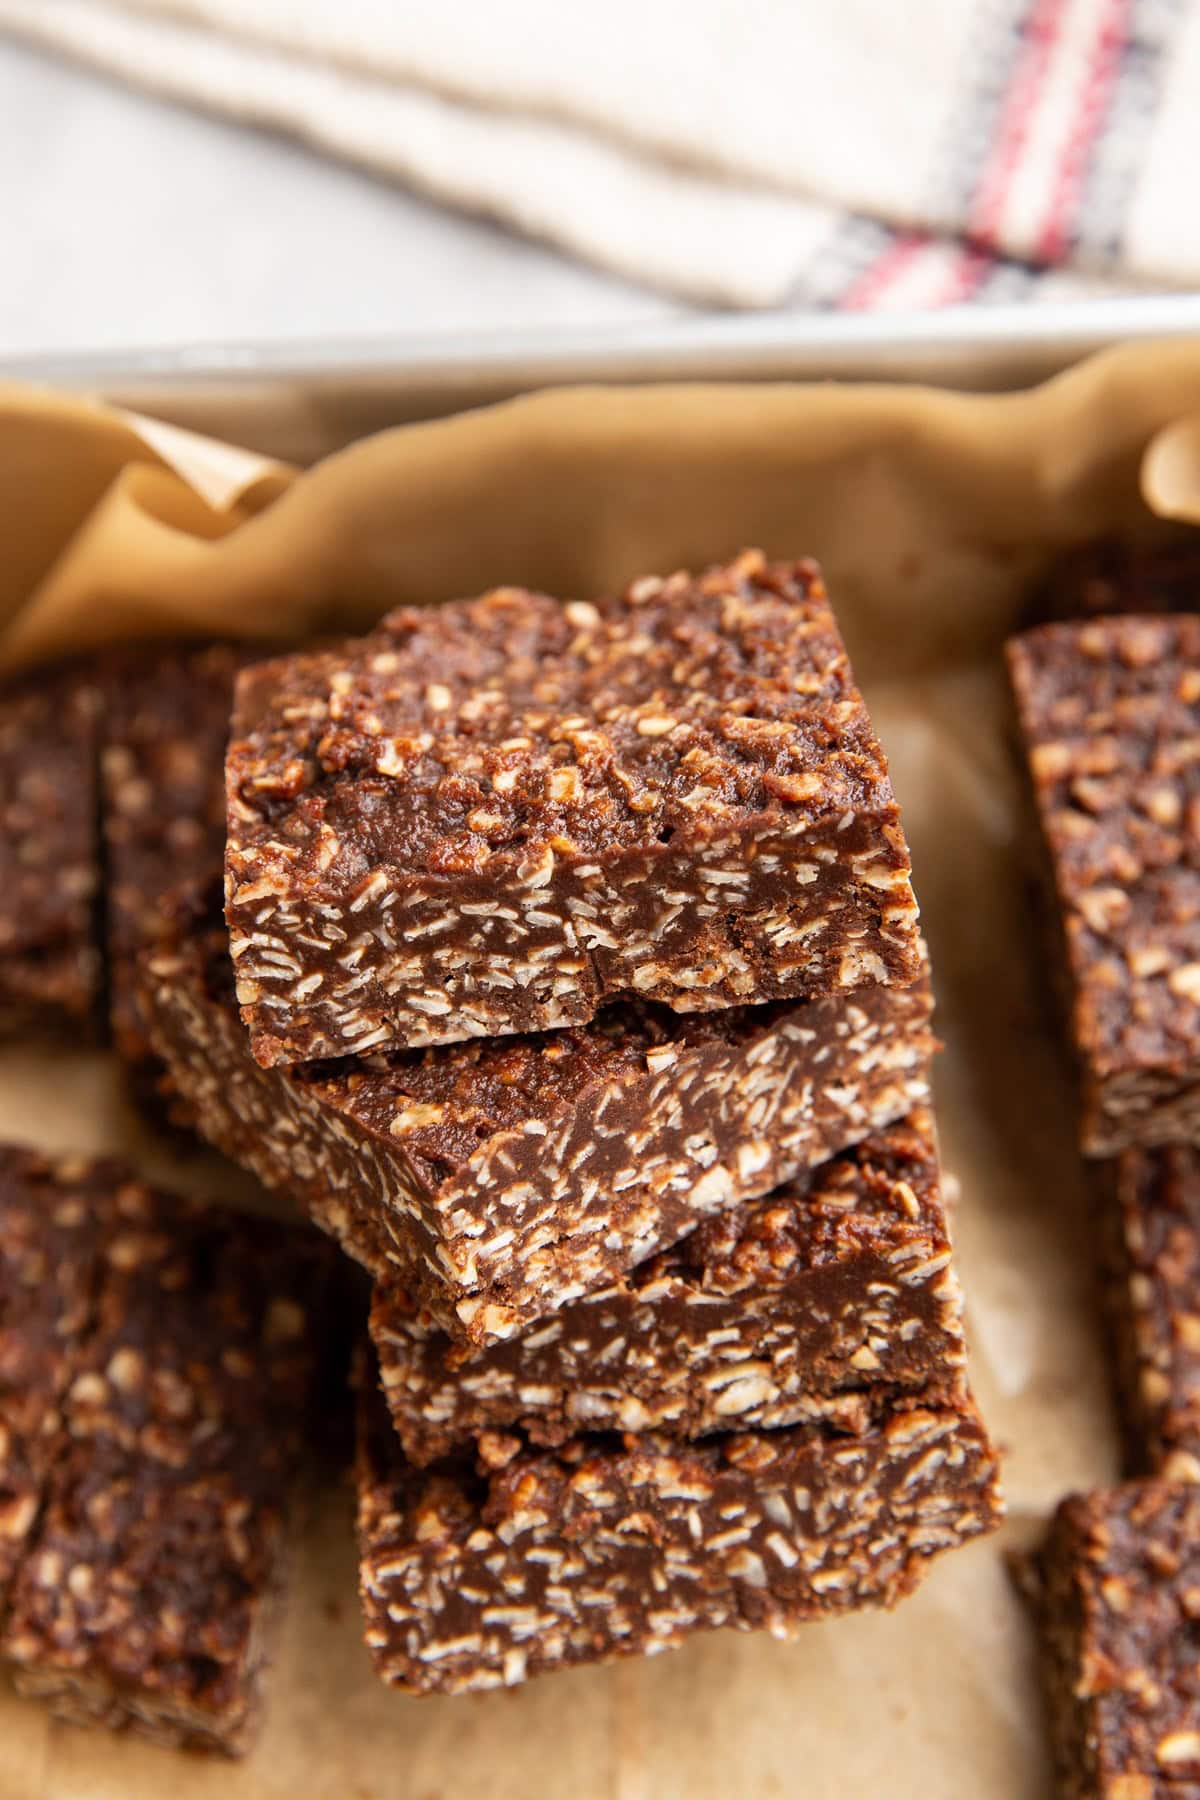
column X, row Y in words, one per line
column 570, row 977
column 1109, row 713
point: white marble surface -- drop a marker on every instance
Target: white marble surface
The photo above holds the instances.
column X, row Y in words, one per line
column 128, row 223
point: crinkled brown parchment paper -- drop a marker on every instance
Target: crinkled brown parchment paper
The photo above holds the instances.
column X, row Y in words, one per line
column 932, row 513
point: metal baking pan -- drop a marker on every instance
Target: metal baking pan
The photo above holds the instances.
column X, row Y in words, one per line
column 302, row 400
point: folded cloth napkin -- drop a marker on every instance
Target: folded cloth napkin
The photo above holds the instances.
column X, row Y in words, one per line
column 744, row 152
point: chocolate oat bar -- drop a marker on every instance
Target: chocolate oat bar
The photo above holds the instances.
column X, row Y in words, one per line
column 149, row 1572
column 1110, row 714
column 827, row 1300
column 1118, row 1597
column 492, row 817
column 50, row 964
column 503, row 1179
column 1150, row 1224
column 48, row 1242
column 480, row 1573
column 166, row 724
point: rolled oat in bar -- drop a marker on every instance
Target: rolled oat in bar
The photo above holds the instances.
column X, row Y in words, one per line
column 492, row 817
column 1110, row 715
column 504, row 1179
column 148, row 1576
column 825, row 1301
column 479, row 1574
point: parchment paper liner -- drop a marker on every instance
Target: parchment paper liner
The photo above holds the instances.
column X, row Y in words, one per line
column 932, row 513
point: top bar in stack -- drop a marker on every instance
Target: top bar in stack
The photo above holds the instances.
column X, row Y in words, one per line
column 491, row 817
column 1110, row 715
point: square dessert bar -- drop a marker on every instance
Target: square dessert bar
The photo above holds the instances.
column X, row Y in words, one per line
column 50, row 965
column 825, row 1301
column 150, row 1561
column 1110, row 715
column 1117, row 1589
column 1150, row 1227
column 478, row 1574
column 166, row 724
column 491, row 817
column 503, row 1178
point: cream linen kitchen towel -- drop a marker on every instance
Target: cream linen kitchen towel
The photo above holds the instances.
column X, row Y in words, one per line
column 856, row 153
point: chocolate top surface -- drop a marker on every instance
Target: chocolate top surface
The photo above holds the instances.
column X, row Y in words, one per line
column 49, row 836
column 858, row 1199
column 1126, row 1560
column 95, row 1261
column 500, row 727
column 199, row 1312
column 152, row 1583
column 48, row 1246
column 188, row 1381
column 1110, row 710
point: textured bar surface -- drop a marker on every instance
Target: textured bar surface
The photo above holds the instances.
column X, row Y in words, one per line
column 823, row 1301
column 1118, row 1597
column 1110, row 715
column 503, row 1179
column 163, row 792
column 1150, row 1214
column 477, row 1577
column 494, row 816
column 50, row 965
column 48, row 1253
column 148, row 1574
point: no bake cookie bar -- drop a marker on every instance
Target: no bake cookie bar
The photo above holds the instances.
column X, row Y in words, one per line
column 1110, row 716
column 492, row 817
column 824, row 1301
column 478, row 1574
column 182, row 1374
